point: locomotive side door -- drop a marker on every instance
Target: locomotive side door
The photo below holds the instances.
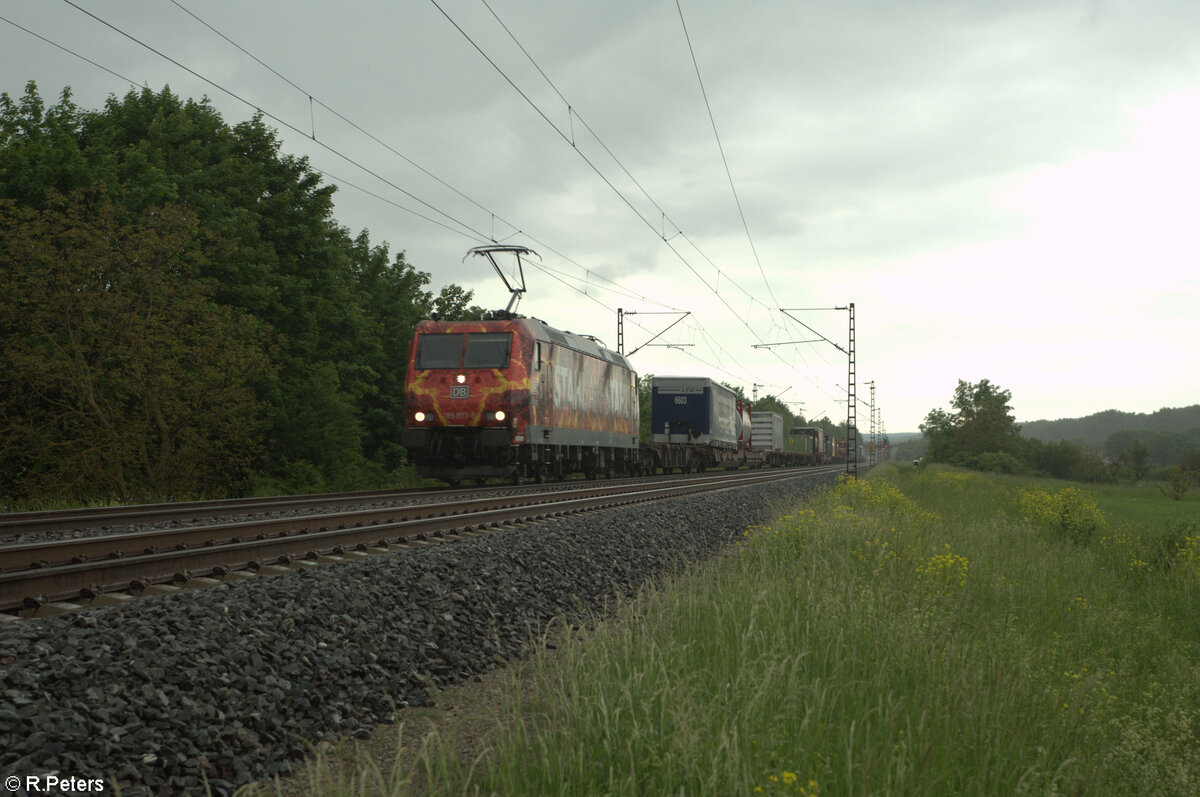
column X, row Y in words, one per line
column 537, row 386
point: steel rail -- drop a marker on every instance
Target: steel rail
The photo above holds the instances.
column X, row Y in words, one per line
column 30, row 588
column 14, row 523
column 17, row 523
column 21, row 556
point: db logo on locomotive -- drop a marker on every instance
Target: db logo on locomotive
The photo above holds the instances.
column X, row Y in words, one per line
column 460, row 391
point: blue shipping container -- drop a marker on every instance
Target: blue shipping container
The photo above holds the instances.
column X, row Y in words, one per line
column 693, row 409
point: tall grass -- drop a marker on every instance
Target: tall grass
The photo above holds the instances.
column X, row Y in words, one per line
column 916, row 632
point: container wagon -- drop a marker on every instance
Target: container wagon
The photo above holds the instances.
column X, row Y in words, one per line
column 696, row 424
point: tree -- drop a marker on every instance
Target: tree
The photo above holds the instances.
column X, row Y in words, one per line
column 1139, row 460
column 41, row 148
column 1178, row 482
column 981, row 422
column 771, row 403
column 939, row 429
column 1190, row 464
column 645, row 403
column 338, row 311
column 122, row 378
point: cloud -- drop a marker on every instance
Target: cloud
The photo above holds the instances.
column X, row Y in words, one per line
column 1005, row 190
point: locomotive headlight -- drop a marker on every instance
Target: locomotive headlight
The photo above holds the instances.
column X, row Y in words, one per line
column 499, row 415
column 419, row 417
column 461, row 379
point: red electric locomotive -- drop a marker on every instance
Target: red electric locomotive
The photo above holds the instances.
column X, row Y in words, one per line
column 512, row 397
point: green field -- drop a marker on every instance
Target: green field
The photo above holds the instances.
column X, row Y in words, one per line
column 920, row 631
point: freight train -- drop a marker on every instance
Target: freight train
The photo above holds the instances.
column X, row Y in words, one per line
column 512, row 397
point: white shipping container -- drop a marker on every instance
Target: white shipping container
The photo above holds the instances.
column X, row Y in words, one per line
column 767, row 430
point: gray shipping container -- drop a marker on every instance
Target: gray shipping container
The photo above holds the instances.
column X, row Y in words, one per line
column 767, row 430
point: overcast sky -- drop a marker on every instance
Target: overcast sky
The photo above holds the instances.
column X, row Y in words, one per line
column 1006, row 191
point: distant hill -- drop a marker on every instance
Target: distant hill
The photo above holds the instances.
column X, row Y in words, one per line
column 1094, row 430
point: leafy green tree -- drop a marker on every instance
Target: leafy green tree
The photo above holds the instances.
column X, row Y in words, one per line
column 771, row 403
column 1190, row 463
column 1178, row 481
column 1139, row 460
column 645, row 402
column 1059, row 459
column 274, row 251
column 938, row 429
column 122, row 378
column 394, row 299
column 339, row 312
column 41, row 148
column 453, row 303
column 981, row 422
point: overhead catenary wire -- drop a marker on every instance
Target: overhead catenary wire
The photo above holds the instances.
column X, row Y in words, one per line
column 466, row 229
column 275, row 118
column 721, row 148
column 476, row 236
column 312, row 99
column 570, row 141
column 68, row 50
column 649, row 223
column 573, row 113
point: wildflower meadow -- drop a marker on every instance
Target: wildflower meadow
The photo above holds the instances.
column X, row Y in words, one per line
column 916, row 631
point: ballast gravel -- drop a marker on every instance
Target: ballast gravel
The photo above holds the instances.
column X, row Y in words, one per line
column 226, row 685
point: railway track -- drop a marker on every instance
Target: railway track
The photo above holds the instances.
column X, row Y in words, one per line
column 67, row 520
column 64, row 575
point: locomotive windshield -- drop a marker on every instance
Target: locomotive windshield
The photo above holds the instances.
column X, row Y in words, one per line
column 439, row 351
column 484, row 350
column 488, row 349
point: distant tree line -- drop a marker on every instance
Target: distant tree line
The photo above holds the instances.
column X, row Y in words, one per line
column 1094, row 430
column 979, row 432
column 182, row 315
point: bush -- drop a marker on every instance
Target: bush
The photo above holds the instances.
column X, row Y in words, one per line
column 994, row 461
column 1091, row 467
column 1070, row 514
column 1178, row 481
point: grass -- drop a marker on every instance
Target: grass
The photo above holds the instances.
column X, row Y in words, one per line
column 919, row 631
column 1145, row 505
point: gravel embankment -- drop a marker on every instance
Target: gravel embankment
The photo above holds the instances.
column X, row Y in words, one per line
column 223, row 683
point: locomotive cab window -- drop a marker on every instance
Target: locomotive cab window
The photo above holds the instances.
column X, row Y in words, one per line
column 439, row 351
column 488, row 349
